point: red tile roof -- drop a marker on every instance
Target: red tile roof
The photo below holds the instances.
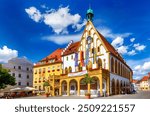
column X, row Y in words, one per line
column 72, row 48
column 134, row 81
column 112, row 50
column 55, row 55
column 145, row 78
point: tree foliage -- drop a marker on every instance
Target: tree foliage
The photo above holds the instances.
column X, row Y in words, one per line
column 5, row 78
column 87, row 79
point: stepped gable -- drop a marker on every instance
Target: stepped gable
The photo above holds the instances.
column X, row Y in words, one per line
column 71, row 49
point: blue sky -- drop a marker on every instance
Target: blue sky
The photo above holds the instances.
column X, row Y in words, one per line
column 35, row 28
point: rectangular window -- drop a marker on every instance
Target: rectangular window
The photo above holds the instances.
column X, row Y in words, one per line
column 27, row 76
column 19, row 67
column 71, row 57
column 19, row 75
column 27, row 83
column 14, row 67
column 19, row 83
column 67, row 58
column 13, row 74
column 27, row 69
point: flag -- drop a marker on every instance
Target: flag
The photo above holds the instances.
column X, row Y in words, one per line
column 76, row 59
column 82, row 58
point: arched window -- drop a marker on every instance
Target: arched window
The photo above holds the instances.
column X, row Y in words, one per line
column 112, row 65
column 119, row 68
column 66, row 70
column 70, row 69
column 116, row 66
column 98, row 49
column 89, row 65
column 79, row 67
column 99, row 63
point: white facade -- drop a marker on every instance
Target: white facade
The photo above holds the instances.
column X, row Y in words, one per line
column 68, row 61
column 21, row 69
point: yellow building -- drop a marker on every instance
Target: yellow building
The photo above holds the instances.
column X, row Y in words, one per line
column 92, row 55
column 46, row 69
column 144, row 83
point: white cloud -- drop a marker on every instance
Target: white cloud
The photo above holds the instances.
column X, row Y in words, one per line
column 7, row 53
column 132, row 39
column 79, row 26
column 131, row 53
column 146, row 66
column 122, row 49
column 34, row 14
column 106, row 32
column 137, row 67
column 117, row 42
column 139, row 47
column 140, row 67
column 62, row 39
column 58, row 20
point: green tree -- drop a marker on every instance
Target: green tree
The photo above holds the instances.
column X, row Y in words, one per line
column 87, row 79
column 5, row 78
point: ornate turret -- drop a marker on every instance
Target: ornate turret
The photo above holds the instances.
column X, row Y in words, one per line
column 89, row 14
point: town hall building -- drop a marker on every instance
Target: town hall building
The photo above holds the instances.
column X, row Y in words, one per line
column 95, row 56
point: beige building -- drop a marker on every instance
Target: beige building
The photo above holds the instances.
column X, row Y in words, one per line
column 145, row 83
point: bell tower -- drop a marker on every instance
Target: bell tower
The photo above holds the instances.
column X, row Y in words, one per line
column 89, row 14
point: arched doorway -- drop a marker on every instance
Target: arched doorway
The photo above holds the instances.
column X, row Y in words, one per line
column 73, row 87
column 117, row 89
column 95, row 86
column 99, row 63
column 64, row 87
column 113, row 86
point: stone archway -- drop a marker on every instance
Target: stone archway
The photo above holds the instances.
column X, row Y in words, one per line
column 73, row 87
column 64, row 87
column 113, row 89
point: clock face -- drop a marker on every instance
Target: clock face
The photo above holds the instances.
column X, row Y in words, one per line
column 89, row 39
